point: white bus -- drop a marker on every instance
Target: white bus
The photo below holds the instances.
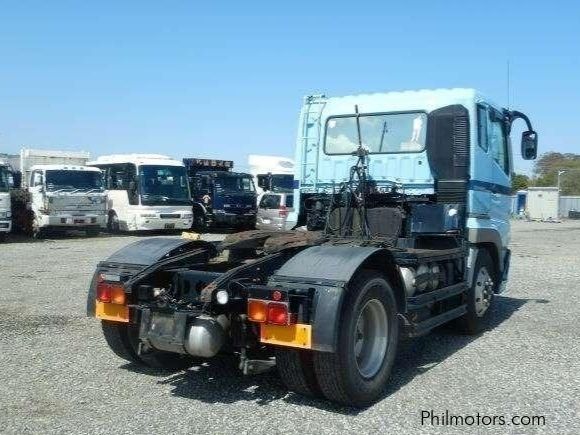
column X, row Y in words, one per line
column 146, row 192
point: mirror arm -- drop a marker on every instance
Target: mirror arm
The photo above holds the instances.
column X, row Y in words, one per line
column 512, row 115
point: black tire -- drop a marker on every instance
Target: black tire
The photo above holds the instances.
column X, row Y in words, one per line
column 471, row 323
column 2, row 237
column 123, row 340
column 338, row 373
column 113, row 223
column 36, row 232
column 199, row 222
column 92, row 232
column 296, row 368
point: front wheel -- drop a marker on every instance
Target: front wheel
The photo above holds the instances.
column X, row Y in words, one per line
column 479, row 297
column 113, row 223
column 123, row 340
column 200, row 222
column 358, row 372
column 36, row 231
column 92, row 232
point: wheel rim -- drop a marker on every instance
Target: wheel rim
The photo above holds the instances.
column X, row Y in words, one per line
column 483, row 291
column 371, row 338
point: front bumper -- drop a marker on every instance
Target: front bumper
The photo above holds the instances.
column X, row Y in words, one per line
column 275, row 224
column 5, row 225
column 157, row 223
column 73, row 221
column 233, row 219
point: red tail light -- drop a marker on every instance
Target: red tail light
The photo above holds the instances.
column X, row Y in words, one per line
column 278, row 314
column 110, row 293
column 283, row 211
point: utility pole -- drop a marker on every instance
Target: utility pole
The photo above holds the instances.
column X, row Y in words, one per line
column 559, row 173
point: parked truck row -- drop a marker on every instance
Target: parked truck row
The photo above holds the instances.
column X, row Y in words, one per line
column 401, row 224
column 45, row 191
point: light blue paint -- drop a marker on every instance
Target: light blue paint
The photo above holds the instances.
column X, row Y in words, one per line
column 319, row 172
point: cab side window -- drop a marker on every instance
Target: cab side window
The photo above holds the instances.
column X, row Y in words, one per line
column 497, row 140
column 482, row 127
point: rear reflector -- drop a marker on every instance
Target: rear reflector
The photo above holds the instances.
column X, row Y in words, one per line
column 257, row 310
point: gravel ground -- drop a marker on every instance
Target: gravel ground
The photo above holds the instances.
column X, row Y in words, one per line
column 57, row 374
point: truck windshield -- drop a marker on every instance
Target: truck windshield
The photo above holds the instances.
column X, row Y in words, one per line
column 163, row 185
column 4, row 185
column 71, row 180
column 234, row 184
column 276, row 182
column 380, row 133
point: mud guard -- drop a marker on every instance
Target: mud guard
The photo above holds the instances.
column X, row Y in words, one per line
column 328, row 269
column 140, row 255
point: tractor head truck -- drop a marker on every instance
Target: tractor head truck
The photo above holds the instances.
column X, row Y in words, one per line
column 401, row 225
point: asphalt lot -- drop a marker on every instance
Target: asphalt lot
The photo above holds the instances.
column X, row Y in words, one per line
column 57, row 374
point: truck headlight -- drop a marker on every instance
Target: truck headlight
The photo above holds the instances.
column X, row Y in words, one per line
column 8, row 214
column 3, row 214
column 187, row 215
column 147, row 215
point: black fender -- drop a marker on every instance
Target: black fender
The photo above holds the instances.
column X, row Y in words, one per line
column 138, row 256
column 329, row 270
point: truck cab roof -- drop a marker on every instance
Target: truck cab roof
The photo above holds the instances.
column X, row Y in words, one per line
column 424, row 99
column 136, row 159
column 63, row 168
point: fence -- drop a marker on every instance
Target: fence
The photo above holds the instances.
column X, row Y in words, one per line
column 567, row 203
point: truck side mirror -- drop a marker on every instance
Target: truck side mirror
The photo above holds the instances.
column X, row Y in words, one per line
column 529, row 145
column 37, row 179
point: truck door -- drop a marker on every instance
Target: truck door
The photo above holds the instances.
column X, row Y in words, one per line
column 500, row 153
column 36, row 190
column 479, row 192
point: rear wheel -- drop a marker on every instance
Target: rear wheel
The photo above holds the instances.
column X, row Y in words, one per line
column 479, row 297
column 358, row 372
column 123, row 339
column 296, row 368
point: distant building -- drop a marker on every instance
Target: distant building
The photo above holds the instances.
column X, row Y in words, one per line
column 542, row 203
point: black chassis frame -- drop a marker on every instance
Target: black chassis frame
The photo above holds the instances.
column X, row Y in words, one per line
column 313, row 279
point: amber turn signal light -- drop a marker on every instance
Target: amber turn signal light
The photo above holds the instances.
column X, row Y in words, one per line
column 257, row 310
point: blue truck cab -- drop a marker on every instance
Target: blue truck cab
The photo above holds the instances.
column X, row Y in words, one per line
column 452, row 145
column 222, row 198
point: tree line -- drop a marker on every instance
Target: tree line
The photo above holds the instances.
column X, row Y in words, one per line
column 545, row 173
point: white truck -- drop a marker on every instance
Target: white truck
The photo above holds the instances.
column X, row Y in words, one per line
column 6, row 182
column 271, row 173
column 146, row 192
column 59, row 192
